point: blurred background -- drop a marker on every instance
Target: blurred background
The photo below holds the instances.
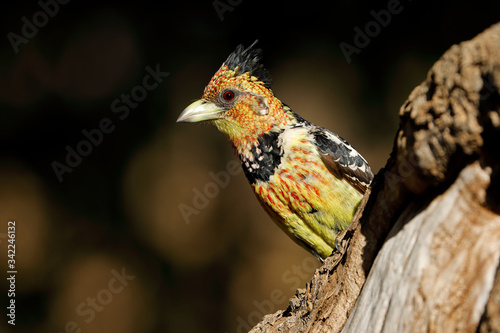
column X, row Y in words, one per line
column 129, row 222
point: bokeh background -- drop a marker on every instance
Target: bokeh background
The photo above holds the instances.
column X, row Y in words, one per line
column 107, row 249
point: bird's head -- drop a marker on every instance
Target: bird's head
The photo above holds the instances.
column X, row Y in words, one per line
column 239, row 101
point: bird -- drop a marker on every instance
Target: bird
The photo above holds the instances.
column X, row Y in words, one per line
column 308, row 179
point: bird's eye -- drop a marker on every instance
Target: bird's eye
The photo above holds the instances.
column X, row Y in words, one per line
column 228, row 95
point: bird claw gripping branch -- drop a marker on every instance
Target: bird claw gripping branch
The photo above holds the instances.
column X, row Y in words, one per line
column 309, row 180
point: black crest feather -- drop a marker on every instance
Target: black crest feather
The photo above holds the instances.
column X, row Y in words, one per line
column 248, row 61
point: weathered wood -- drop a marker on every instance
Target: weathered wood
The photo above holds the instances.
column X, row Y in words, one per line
column 437, row 266
column 424, row 254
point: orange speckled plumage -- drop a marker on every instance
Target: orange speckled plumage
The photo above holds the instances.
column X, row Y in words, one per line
column 308, row 179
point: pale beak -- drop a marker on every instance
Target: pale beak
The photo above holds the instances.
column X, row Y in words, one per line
column 200, row 110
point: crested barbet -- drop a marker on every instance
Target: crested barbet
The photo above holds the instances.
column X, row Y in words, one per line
column 309, row 180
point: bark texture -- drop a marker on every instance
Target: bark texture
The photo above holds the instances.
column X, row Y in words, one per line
column 423, row 255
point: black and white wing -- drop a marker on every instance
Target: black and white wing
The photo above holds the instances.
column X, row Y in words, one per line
column 342, row 160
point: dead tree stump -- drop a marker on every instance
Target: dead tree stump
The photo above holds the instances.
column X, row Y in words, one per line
column 423, row 255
